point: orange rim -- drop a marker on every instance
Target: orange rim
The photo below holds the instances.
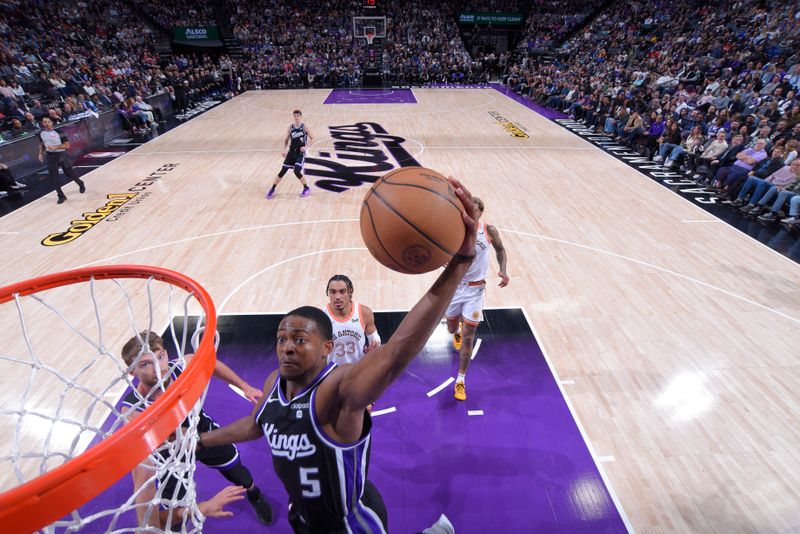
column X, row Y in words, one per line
column 49, row 497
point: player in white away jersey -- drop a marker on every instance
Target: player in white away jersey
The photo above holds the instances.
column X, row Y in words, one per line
column 465, row 311
column 354, row 332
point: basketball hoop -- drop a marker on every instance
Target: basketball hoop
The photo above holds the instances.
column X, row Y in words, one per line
column 60, row 491
column 369, row 28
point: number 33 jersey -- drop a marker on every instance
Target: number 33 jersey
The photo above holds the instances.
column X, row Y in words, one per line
column 349, row 338
column 325, row 479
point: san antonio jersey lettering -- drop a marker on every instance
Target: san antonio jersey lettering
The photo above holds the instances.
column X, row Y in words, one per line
column 325, row 479
column 349, row 338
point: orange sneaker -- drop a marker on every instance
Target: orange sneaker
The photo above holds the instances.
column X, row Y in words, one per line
column 461, row 391
column 457, row 339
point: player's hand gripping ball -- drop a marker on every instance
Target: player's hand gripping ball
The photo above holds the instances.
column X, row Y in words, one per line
column 411, row 220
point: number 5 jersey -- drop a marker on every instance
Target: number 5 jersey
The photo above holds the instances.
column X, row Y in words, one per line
column 325, row 479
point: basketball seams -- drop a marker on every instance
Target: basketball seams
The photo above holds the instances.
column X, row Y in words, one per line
column 412, row 223
column 435, row 192
column 365, row 204
column 408, row 222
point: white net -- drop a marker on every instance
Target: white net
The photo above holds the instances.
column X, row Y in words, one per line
column 67, row 388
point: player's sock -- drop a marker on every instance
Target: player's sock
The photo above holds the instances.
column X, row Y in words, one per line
column 461, row 377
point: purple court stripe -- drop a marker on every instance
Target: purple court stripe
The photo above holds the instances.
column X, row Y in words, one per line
column 530, row 104
column 522, row 467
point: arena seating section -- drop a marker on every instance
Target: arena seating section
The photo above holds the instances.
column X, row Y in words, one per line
column 710, row 64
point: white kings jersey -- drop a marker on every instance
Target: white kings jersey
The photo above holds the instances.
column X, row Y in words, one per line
column 349, row 338
column 480, row 265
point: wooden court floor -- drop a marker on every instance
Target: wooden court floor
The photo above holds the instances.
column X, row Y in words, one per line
column 674, row 335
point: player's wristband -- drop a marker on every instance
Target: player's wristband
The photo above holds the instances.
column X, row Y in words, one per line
column 462, row 258
column 374, row 338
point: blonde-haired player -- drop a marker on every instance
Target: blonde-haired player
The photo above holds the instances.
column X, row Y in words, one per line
column 465, row 311
column 150, row 366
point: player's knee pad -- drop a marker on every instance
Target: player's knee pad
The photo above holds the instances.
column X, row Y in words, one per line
column 298, row 173
column 283, row 172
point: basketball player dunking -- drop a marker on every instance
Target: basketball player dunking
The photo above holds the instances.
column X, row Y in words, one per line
column 225, row 459
column 313, row 413
column 298, row 137
column 354, row 332
column 467, row 305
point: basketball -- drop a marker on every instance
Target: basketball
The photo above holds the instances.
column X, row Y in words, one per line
column 411, row 220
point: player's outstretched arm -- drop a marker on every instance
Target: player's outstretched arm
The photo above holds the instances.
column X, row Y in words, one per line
column 244, row 429
column 215, row 506
column 500, row 252
column 226, row 374
column 365, row 381
column 229, row 376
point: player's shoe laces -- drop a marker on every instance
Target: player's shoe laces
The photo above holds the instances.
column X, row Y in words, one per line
column 457, row 339
column 261, row 506
column 461, row 391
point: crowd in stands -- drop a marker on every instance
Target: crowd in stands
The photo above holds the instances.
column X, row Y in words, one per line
column 72, row 61
column 490, row 6
column 69, row 61
column 423, row 45
column 550, row 21
column 178, row 12
column 317, row 48
column 708, row 90
column 696, row 87
column 294, row 44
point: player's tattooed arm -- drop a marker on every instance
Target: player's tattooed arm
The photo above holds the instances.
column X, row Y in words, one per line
column 500, row 252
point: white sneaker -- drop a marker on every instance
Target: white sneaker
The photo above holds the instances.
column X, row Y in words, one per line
column 442, row 526
column 658, row 159
column 669, row 164
column 789, row 220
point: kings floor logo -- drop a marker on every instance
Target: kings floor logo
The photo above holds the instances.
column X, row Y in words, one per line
column 362, row 153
